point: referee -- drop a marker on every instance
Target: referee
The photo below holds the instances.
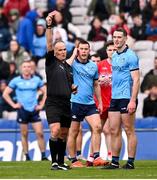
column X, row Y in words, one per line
column 59, row 83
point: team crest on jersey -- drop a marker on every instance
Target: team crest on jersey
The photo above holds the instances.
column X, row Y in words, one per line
column 121, row 61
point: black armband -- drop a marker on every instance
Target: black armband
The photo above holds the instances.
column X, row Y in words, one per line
column 48, row 26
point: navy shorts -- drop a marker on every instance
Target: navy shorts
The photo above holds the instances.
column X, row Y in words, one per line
column 120, row 105
column 58, row 110
column 25, row 117
column 80, row 111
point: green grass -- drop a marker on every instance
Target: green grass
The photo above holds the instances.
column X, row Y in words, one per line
column 41, row 170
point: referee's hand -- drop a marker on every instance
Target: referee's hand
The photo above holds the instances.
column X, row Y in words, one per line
column 50, row 17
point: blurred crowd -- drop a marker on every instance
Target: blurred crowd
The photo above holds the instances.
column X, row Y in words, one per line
column 23, row 26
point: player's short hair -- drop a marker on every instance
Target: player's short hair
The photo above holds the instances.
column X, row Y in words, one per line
column 109, row 43
column 122, row 30
column 95, row 55
column 82, row 41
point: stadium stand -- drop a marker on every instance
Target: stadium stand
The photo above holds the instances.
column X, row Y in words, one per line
column 146, row 64
column 141, row 97
column 143, row 45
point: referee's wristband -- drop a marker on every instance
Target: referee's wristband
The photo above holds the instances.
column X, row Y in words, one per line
column 48, row 26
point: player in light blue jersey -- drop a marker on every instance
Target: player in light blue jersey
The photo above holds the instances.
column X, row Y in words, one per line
column 26, row 87
column 125, row 87
column 85, row 75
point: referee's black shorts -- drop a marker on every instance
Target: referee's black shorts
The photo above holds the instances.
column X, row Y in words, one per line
column 58, row 109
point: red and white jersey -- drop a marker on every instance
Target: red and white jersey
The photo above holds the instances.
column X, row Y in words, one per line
column 105, row 74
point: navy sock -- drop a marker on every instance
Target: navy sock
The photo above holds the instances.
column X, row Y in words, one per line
column 73, row 159
column 131, row 160
column 78, row 153
column 43, row 154
column 27, row 156
column 115, row 159
column 96, row 154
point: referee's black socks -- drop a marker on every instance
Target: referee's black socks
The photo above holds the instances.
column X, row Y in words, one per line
column 54, row 146
column 61, row 150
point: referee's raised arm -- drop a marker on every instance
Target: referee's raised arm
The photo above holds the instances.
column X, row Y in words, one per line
column 49, row 22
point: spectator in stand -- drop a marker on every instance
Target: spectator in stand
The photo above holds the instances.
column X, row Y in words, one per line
column 152, row 74
column 39, row 39
column 1, row 2
column 52, row 4
column 150, row 102
column 2, row 86
column 147, row 12
column 5, row 38
column 4, row 106
column 129, row 6
column 151, row 27
column 14, row 19
column 138, row 29
column 22, row 6
column 62, row 6
column 38, row 4
column 97, row 32
column 4, row 69
column 13, row 71
column 101, row 8
column 16, row 54
column 3, row 17
column 60, row 34
column 120, row 23
column 26, row 30
column 34, row 69
column 71, row 29
column 5, row 35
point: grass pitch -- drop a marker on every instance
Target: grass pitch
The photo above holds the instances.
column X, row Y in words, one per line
column 41, row 170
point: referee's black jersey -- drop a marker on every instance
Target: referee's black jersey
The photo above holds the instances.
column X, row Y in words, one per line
column 59, row 76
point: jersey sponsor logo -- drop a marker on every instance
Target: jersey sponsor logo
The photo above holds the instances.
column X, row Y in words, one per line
column 83, row 74
column 118, row 68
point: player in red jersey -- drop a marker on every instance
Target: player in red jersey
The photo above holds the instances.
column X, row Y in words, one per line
column 105, row 74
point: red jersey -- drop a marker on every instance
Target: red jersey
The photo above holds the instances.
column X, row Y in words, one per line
column 105, row 73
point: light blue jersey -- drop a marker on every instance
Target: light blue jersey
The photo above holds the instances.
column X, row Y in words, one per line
column 122, row 65
column 26, row 91
column 84, row 76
